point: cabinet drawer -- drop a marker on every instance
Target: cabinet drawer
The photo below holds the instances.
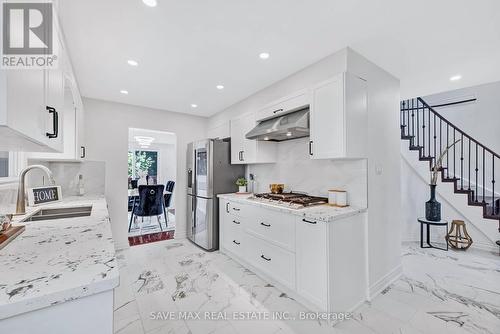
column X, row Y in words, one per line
column 238, row 210
column 278, row 263
column 234, row 238
column 285, row 105
column 275, row 227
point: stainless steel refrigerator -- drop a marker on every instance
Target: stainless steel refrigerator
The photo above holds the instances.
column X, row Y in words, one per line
column 209, row 172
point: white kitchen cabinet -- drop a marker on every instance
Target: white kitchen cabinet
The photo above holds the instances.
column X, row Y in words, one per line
column 338, row 118
column 220, row 131
column 245, row 151
column 312, row 259
column 232, row 236
column 285, row 105
column 30, row 102
column 321, row 264
column 65, row 97
column 73, row 128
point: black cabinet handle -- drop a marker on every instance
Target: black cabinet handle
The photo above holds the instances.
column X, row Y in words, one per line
column 83, row 153
column 227, row 207
column 55, row 123
column 242, row 156
column 239, row 156
column 265, row 258
column 266, row 225
column 236, row 242
column 277, row 110
column 310, row 147
column 236, row 209
column 308, row 221
column 236, row 222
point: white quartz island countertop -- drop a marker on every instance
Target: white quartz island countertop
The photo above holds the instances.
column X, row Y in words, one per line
column 326, row 213
column 55, row 261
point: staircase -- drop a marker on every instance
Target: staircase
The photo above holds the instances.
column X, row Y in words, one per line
column 469, row 165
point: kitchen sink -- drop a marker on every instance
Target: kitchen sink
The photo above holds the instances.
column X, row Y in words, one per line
column 61, row 213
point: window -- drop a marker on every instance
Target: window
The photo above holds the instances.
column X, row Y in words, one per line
column 4, row 164
column 143, row 163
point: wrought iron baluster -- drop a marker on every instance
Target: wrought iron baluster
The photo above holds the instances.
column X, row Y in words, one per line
column 447, row 153
column 429, row 130
column 477, row 170
column 418, row 127
column 469, row 158
column 462, row 162
column 484, row 176
column 435, row 139
column 493, row 182
column 412, row 124
column 454, row 155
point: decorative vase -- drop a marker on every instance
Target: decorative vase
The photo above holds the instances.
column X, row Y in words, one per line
column 242, row 189
column 433, row 207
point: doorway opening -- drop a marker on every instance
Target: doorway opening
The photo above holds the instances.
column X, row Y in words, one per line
column 152, row 168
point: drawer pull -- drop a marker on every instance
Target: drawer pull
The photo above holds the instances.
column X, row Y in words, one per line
column 308, row 221
column 266, row 225
column 236, row 242
column 236, row 209
column 265, row 258
column 277, row 110
column 227, row 207
column 236, row 222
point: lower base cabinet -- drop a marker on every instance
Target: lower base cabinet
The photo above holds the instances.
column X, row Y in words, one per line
column 324, row 267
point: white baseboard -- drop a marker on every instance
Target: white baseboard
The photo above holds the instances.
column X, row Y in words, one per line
column 385, row 281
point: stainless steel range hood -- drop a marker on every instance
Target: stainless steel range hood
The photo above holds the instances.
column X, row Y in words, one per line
column 286, row 127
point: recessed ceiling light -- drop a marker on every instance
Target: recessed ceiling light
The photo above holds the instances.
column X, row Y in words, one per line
column 264, row 55
column 193, row 105
column 124, row 92
column 456, row 77
column 219, row 87
column 150, row 3
column 132, row 62
column 266, row 138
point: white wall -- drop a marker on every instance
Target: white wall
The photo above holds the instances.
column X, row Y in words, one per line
column 383, row 189
column 480, row 119
column 106, row 128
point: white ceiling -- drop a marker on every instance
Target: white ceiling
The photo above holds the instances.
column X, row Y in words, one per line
column 185, row 48
column 159, row 137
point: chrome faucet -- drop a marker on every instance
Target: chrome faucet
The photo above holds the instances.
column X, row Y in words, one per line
column 21, row 191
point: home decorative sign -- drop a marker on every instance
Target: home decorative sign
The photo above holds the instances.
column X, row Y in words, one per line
column 44, row 195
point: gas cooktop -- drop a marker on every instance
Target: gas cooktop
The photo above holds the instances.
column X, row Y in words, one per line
column 290, row 199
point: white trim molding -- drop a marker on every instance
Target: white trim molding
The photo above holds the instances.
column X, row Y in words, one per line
column 385, row 281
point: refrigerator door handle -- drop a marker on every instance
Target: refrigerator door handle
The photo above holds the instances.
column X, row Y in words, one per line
column 190, row 178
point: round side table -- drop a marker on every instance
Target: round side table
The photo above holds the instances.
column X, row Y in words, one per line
column 428, row 224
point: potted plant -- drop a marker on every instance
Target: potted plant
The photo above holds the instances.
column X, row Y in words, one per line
column 242, row 185
column 432, row 206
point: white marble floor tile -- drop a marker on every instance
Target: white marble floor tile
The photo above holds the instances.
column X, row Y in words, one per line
column 440, row 292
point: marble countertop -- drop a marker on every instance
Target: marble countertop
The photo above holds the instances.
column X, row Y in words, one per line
column 324, row 212
column 55, row 261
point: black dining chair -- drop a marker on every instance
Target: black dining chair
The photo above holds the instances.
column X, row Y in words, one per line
column 167, row 198
column 150, row 203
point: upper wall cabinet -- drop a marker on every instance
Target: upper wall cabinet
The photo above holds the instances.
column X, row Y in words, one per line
column 338, row 118
column 284, row 105
column 220, row 131
column 30, row 106
column 245, row 151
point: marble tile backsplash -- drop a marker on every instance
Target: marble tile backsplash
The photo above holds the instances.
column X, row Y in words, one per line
column 65, row 175
column 300, row 173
